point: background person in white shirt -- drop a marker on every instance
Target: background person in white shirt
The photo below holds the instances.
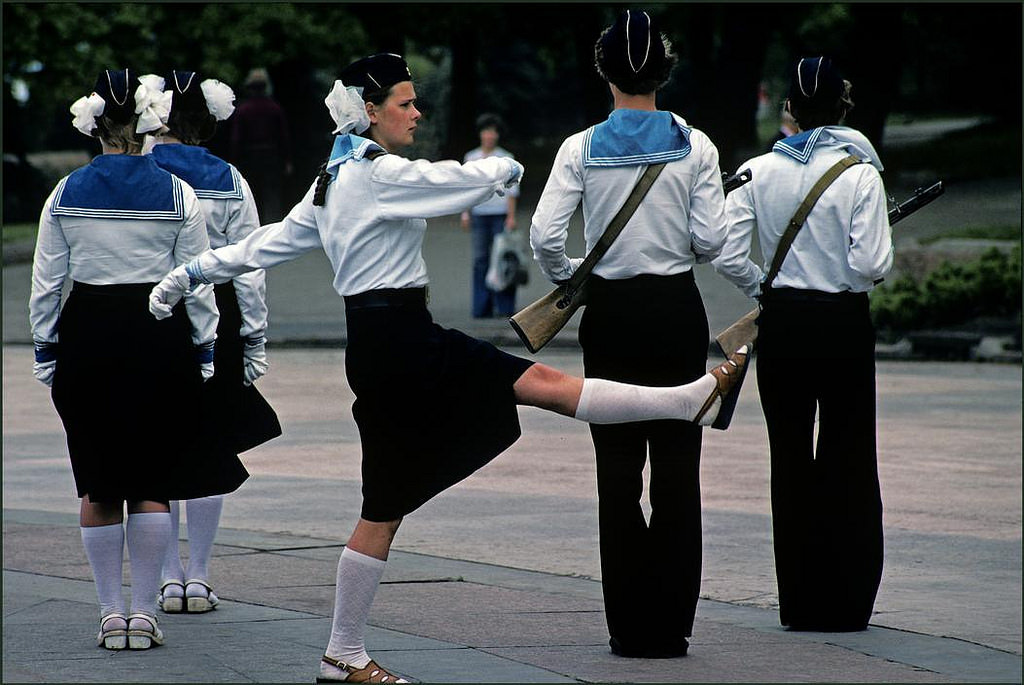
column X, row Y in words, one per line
column 243, row 418
column 488, row 219
column 816, row 342
column 644, row 322
column 432, row 404
column 114, row 228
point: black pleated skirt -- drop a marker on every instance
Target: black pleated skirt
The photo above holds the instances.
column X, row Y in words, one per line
column 432, row 405
column 128, row 390
column 244, row 419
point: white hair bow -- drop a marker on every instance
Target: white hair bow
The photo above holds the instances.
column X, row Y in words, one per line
column 347, row 108
column 152, row 104
column 220, row 99
column 86, row 111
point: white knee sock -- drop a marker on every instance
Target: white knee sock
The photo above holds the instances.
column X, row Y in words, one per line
column 172, row 560
column 104, row 546
column 147, row 534
column 203, row 519
column 604, row 401
column 358, row 578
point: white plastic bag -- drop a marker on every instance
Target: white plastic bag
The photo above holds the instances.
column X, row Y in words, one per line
column 507, row 267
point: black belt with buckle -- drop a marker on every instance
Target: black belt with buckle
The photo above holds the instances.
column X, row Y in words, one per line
column 387, row 297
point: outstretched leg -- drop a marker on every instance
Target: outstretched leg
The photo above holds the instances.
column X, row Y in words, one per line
column 596, row 400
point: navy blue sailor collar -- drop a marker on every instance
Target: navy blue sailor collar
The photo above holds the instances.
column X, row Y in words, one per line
column 210, row 176
column 631, row 137
column 349, row 147
column 115, row 186
column 801, row 146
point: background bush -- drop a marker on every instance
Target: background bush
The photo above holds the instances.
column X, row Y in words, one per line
column 952, row 294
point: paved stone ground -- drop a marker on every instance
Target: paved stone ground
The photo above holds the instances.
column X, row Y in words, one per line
column 948, row 608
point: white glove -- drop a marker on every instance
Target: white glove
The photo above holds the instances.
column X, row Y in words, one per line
column 204, row 355
column 168, row 293
column 254, row 355
column 517, row 174
column 45, row 363
column 43, row 371
column 206, row 370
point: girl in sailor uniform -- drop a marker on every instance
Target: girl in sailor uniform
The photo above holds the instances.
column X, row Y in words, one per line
column 244, row 418
column 432, row 404
column 112, row 228
column 644, row 323
column 825, row 495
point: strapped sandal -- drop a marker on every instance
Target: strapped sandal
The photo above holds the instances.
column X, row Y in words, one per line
column 144, row 638
column 728, row 379
column 200, row 605
column 172, row 604
column 113, row 636
column 370, row 673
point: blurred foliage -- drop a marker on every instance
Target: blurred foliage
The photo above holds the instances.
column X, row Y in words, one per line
column 531, row 63
column 952, row 294
column 976, row 233
column 990, row 150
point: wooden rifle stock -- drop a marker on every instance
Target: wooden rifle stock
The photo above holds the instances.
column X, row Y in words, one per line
column 744, row 330
column 537, row 323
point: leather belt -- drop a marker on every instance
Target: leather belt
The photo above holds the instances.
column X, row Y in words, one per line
column 387, row 297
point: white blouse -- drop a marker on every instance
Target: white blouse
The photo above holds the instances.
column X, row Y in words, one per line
column 228, row 222
column 682, row 216
column 105, row 251
column 845, row 243
column 372, row 224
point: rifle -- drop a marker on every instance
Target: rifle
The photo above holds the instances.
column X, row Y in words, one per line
column 537, row 323
column 744, row 330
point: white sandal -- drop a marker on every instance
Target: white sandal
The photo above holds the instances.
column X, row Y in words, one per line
column 173, row 604
column 144, row 637
column 114, row 636
column 199, row 605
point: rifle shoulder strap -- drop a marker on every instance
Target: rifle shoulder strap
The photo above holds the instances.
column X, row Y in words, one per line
column 797, row 222
column 616, row 225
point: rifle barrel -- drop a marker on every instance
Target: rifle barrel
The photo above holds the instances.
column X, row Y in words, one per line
column 919, row 199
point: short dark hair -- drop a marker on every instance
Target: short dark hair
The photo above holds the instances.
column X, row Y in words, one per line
column 485, row 121
column 191, row 128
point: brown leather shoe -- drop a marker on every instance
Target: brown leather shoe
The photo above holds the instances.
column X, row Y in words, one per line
column 370, row 673
column 729, row 377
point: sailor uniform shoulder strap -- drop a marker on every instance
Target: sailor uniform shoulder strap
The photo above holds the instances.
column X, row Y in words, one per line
column 797, row 222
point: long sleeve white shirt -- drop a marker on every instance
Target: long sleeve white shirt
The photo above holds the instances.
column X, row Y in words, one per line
column 106, row 251
column 230, row 217
column 681, row 217
column 845, row 243
column 229, row 222
column 372, row 224
column 495, row 204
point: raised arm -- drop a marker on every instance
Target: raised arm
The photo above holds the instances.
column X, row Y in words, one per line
column 263, row 248
column 406, row 189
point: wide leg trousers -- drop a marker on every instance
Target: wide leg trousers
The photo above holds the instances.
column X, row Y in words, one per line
column 816, row 369
column 651, row 330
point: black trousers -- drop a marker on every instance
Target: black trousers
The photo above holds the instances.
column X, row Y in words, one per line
column 816, row 360
column 650, row 330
